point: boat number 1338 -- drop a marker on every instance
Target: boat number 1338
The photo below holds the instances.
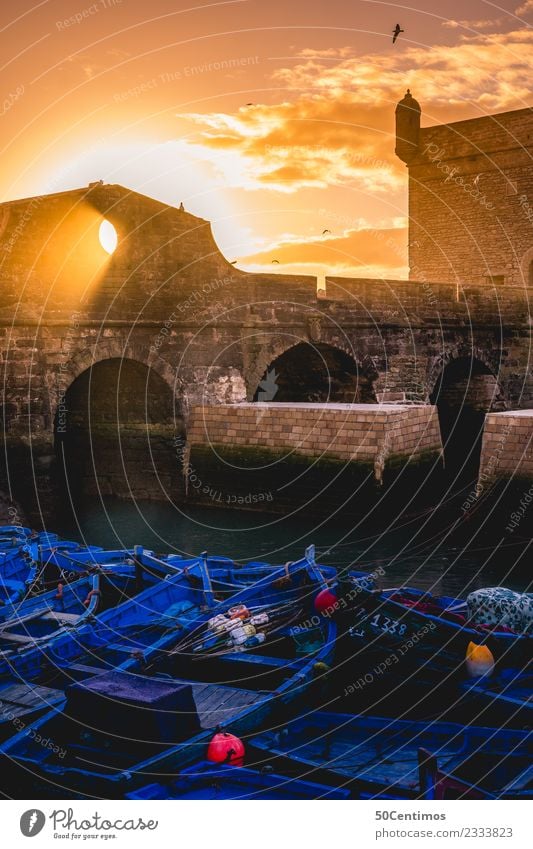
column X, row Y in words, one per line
column 390, row 626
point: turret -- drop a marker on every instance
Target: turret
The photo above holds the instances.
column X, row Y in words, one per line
column 407, row 128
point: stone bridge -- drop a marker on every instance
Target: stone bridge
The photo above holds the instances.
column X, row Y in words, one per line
column 103, row 355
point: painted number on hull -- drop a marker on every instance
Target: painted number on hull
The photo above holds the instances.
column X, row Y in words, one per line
column 377, row 622
column 389, row 626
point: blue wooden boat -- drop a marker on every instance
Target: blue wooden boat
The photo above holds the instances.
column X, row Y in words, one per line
column 145, row 625
column 65, row 560
column 14, row 569
column 31, row 567
column 207, row 578
column 9, row 543
column 37, row 620
column 206, row 780
column 12, row 536
column 37, row 677
column 505, row 698
column 153, row 717
column 228, row 576
column 6, row 530
column 34, row 572
column 512, row 779
column 426, row 635
column 379, row 758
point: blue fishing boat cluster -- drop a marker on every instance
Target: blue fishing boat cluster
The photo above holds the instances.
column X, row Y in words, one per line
column 129, row 674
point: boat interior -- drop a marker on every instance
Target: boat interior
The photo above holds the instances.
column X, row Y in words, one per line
column 385, row 752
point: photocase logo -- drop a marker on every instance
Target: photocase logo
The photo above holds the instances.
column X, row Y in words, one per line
column 32, row 822
column 269, row 387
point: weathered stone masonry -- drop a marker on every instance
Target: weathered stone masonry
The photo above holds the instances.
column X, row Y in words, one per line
column 470, row 196
column 307, row 456
column 371, row 433
column 507, row 452
column 166, row 316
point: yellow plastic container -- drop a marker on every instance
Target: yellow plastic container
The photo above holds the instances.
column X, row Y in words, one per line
column 479, row 660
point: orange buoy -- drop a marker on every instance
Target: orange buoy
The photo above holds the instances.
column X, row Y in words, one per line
column 225, row 748
column 325, row 602
column 479, row 660
column 59, row 593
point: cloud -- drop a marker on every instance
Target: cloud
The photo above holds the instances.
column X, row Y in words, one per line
column 336, row 125
column 495, row 66
column 326, row 53
column 305, row 144
column 475, row 24
column 525, row 8
column 368, row 252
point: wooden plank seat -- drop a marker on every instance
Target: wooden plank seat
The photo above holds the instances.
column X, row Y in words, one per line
column 21, row 699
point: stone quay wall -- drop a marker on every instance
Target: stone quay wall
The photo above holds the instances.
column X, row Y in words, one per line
column 371, row 433
column 507, row 451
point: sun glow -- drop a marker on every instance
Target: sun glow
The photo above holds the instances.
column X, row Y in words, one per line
column 108, row 236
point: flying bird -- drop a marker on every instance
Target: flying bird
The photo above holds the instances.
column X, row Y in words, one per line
column 396, row 32
column 325, row 231
column 275, row 261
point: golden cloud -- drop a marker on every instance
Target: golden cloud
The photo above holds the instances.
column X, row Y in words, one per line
column 496, row 65
column 525, row 8
column 308, row 143
column 339, row 128
column 327, row 53
column 483, row 23
column 356, row 250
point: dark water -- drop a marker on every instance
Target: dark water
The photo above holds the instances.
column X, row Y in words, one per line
column 435, row 551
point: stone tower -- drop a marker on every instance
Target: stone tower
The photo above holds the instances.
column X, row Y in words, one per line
column 470, row 197
column 407, row 128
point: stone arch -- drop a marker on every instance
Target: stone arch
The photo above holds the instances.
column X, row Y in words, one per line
column 464, row 389
column 117, row 430
column 473, row 353
column 315, row 372
column 114, row 348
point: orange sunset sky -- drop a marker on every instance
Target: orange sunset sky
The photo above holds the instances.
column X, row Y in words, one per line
column 273, row 119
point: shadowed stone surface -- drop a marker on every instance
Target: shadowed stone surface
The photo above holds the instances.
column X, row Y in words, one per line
column 179, row 317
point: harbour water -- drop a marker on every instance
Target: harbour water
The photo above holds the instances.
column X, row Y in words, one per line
column 442, row 551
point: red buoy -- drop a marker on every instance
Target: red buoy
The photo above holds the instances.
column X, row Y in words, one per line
column 225, row 748
column 326, row 602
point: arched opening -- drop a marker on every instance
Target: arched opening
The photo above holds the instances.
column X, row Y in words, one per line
column 117, row 433
column 315, row 373
column 465, row 391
